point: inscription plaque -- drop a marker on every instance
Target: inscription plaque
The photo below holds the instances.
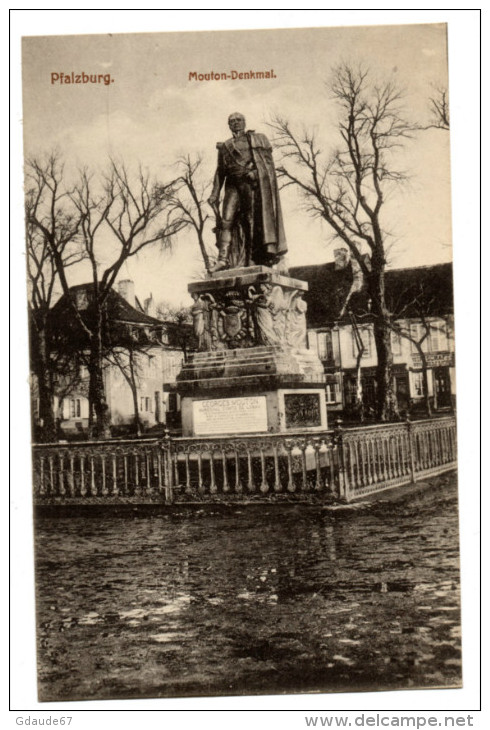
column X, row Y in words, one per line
column 302, row 409
column 230, row 415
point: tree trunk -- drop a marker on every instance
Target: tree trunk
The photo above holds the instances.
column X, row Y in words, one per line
column 425, row 381
column 387, row 405
column 97, row 396
column 134, row 392
column 48, row 430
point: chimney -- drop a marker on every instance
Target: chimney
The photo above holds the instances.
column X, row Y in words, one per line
column 126, row 290
column 150, row 306
column 341, row 257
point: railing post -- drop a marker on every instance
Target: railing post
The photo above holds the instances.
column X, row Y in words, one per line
column 339, row 442
column 168, row 470
column 411, row 450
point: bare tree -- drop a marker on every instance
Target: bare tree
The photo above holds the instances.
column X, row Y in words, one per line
column 128, row 360
column 439, row 110
column 47, row 200
column 137, row 212
column 348, row 189
column 181, row 333
column 188, row 201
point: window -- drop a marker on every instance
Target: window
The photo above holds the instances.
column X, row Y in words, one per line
column 331, row 393
column 417, row 331
column 396, row 343
column 75, row 409
column 437, row 336
column 365, row 336
column 145, row 404
column 418, row 384
column 325, row 348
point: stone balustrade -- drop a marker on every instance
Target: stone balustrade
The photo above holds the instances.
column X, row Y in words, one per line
column 343, row 464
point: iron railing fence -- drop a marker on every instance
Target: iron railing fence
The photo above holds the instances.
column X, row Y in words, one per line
column 343, row 464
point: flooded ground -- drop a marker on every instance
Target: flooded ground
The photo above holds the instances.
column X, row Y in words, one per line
column 250, row 600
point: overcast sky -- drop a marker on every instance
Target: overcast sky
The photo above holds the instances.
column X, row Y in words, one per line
column 153, row 113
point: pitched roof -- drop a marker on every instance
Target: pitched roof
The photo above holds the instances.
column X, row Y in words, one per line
column 116, row 307
column 431, row 286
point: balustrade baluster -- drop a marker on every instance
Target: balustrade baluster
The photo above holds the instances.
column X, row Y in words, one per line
column 92, row 491
column 444, row 445
column 330, row 480
column 304, row 474
column 431, row 448
column 381, row 460
column 52, row 486
column 104, row 487
column 437, row 457
column 238, row 483
column 212, row 487
column 83, row 490
column 61, row 476
column 291, row 485
column 410, row 451
column 187, row 472
column 136, row 475
column 115, row 490
column 264, row 487
column 363, row 462
column 201, row 486
column 450, row 451
column 175, row 464
column 427, row 449
column 384, row 459
column 125, row 474
column 159, row 471
column 226, row 486
column 388, row 457
column 251, row 485
column 419, row 457
column 149, row 485
column 71, row 478
column 318, row 480
column 369, row 459
column 396, row 454
column 351, row 453
column 405, row 454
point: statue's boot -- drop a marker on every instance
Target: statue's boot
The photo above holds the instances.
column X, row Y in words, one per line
column 224, row 250
column 220, row 265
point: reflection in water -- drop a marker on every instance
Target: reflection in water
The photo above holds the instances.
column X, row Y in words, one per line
column 251, row 601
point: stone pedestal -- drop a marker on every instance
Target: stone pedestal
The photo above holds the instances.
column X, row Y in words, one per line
column 253, row 372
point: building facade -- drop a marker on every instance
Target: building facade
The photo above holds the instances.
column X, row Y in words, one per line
column 340, row 330
column 140, row 366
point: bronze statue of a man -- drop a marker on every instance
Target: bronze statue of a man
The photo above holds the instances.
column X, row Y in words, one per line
column 250, row 228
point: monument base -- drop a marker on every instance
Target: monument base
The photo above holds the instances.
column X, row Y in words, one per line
column 255, row 390
column 253, row 372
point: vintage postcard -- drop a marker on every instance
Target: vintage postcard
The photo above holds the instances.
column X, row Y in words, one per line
column 242, row 357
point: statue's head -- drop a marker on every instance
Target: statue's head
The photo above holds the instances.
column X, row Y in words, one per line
column 236, row 122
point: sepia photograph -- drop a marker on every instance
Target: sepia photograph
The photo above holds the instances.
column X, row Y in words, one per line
column 242, row 362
